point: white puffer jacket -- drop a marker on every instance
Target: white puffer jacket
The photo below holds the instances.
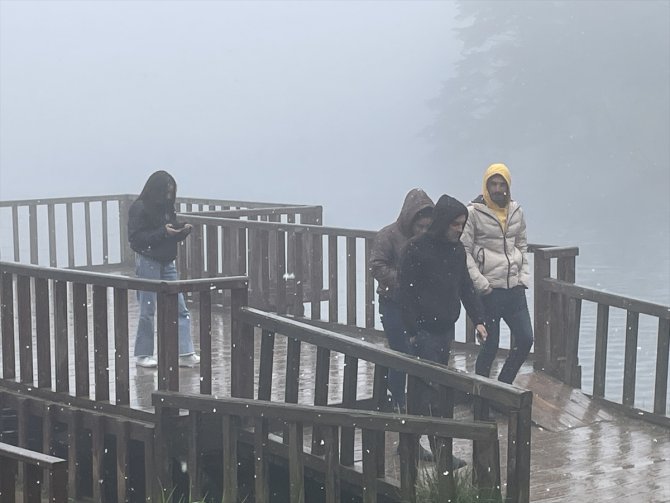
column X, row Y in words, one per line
column 496, row 257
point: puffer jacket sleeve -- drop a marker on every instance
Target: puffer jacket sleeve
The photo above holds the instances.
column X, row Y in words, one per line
column 471, row 301
column 481, row 284
column 521, row 242
column 383, row 260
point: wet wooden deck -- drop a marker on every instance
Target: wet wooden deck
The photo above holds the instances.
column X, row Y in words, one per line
column 581, row 451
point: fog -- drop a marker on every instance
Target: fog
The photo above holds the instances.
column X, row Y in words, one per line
column 351, row 104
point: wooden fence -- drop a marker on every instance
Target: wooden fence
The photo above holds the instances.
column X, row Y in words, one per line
column 239, row 420
column 558, row 308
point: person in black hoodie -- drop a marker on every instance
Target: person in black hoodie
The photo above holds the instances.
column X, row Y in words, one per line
column 153, row 233
column 433, row 281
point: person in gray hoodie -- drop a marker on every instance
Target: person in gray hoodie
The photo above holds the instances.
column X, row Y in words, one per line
column 414, row 218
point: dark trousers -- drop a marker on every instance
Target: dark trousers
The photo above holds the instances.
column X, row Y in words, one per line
column 511, row 306
column 434, row 347
column 394, row 328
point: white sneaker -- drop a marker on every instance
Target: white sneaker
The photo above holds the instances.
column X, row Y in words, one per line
column 146, row 362
column 189, row 360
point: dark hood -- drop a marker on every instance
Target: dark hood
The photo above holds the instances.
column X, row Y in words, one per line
column 445, row 211
column 416, row 200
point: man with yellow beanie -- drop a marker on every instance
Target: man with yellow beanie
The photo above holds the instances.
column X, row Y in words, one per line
column 495, row 242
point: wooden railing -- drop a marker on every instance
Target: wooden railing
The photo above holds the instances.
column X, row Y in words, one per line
column 53, row 470
column 364, row 366
column 89, row 231
column 558, row 310
column 230, row 416
column 59, row 293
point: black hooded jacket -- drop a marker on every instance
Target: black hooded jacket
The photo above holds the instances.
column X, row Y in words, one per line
column 434, row 278
column 147, row 218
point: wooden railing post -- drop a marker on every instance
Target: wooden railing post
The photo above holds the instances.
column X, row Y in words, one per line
column 127, row 254
column 542, row 270
column 242, row 350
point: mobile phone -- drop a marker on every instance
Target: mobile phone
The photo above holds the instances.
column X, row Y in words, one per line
column 178, row 225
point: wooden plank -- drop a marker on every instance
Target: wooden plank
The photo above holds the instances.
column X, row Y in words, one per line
column 321, row 378
column 369, row 465
column 332, row 474
column 299, row 273
column 97, row 455
column 51, row 222
column 572, row 374
column 613, row 300
column 205, row 311
column 316, row 275
column 295, row 461
column 212, row 236
column 630, row 358
column 541, row 270
column 74, row 432
column 122, row 460
column 280, row 259
column 369, row 288
column 70, row 240
column 43, row 333
column 351, row 281
column 292, row 375
column 265, row 368
column 168, row 342
column 227, row 250
column 600, row 363
column 349, row 386
column 105, row 234
column 242, row 252
column 61, row 344
column 15, row 233
column 230, row 437
column 32, row 226
column 100, row 344
column 662, row 353
column 380, row 400
column 261, row 462
column 408, row 472
column 195, row 470
column 556, row 335
column 80, row 332
column 265, row 267
column 87, row 231
column 121, row 349
column 332, row 280
column 8, row 472
column 242, row 348
column 7, row 323
column 23, row 304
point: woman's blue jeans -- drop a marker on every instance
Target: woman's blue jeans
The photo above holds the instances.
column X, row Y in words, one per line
column 148, row 268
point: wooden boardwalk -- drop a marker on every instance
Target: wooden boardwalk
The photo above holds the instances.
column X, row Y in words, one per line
column 581, row 450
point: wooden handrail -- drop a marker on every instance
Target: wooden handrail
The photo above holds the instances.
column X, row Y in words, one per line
column 54, row 472
column 503, row 394
column 115, row 281
column 613, row 300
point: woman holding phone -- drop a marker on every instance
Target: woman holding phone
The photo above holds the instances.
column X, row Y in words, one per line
column 153, row 233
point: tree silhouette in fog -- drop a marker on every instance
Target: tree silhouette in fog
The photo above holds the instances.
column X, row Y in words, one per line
column 570, row 84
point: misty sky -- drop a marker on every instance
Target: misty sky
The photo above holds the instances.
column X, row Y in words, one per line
column 303, row 102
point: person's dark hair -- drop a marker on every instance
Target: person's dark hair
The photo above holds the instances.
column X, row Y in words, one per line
column 155, row 194
column 446, row 210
